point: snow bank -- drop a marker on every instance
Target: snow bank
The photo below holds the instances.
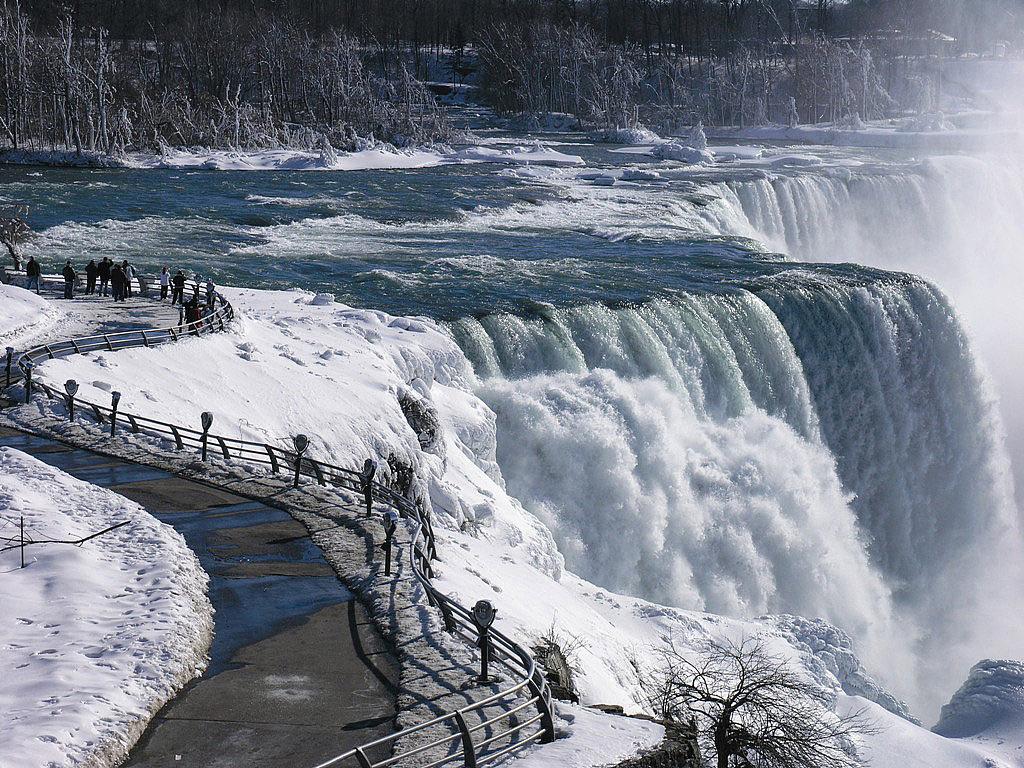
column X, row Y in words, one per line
column 374, row 156
column 631, row 136
column 587, row 737
column 93, row 639
column 24, row 316
column 536, row 154
column 683, row 153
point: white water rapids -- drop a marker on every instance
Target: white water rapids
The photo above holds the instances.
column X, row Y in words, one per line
column 814, row 445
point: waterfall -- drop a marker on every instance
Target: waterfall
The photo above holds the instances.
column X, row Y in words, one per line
column 811, row 444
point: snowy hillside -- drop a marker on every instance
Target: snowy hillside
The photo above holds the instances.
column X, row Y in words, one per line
column 24, row 316
column 357, row 381
column 93, row 639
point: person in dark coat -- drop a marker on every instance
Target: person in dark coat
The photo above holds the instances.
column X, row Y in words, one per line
column 69, row 280
column 92, row 271
column 178, row 288
column 33, row 272
column 117, row 283
column 192, row 315
column 103, row 272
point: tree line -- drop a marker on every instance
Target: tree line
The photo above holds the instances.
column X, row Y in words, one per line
column 111, row 75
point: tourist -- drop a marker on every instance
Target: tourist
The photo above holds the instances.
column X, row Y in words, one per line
column 91, row 273
column 69, row 280
column 117, row 282
column 104, row 274
column 165, row 283
column 178, row 286
column 192, row 315
column 129, row 273
column 33, row 272
column 211, row 292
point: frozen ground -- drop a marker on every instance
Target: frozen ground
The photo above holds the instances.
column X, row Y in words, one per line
column 358, row 381
column 93, row 639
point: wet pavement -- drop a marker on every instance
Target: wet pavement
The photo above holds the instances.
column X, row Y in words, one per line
column 298, row 672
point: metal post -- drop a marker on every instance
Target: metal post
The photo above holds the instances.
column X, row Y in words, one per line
column 71, row 387
column 366, row 481
column 23, row 542
column 10, row 357
column 207, row 419
column 28, row 381
column 115, row 398
column 483, row 617
column 390, row 524
column 301, row 443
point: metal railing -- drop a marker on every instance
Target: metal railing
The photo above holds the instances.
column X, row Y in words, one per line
column 477, row 734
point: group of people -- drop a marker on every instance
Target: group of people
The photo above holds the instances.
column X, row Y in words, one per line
column 111, row 276
column 120, row 279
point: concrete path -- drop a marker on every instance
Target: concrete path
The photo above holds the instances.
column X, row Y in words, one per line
column 298, row 672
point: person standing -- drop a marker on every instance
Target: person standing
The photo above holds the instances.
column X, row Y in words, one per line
column 69, row 280
column 103, row 271
column 91, row 273
column 129, row 273
column 178, row 285
column 33, row 272
column 211, row 292
column 117, row 282
column 165, row 283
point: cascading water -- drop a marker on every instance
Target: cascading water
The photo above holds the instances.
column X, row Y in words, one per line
column 809, row 445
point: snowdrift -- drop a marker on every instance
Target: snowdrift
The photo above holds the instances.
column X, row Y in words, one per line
column 93, row 639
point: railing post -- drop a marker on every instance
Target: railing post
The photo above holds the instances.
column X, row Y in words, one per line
column 71, row 387
column 274, row 466
column 28, row 381
column 390, row 524
column 10, row 357
column 547, row 719
column 468, row 751
column 22, row 541
column 207, row 420
column 115, row 398
column 366, row 481
column 301, row 443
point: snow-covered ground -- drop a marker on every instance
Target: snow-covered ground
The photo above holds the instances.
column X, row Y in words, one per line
column 93, row 639
column 298, row 362
column 24, row 316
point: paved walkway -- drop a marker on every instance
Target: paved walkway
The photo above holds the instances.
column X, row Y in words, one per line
column 298, row 672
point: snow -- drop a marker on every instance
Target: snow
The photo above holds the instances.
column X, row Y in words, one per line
column 93, row 639
column 372, row 156
column 24, row 316
column 295, row 362
column 537, row 154
column 630, row 136
column 588, row 738
column 683, row 153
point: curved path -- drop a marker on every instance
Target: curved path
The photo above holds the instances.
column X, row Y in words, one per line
column 298, row 671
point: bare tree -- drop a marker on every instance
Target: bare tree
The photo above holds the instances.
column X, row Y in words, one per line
column 750, row 708
column 13, row 230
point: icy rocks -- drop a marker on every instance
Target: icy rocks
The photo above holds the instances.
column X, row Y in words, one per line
column 830, row 649
column 993, row 692
column 683, row 153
